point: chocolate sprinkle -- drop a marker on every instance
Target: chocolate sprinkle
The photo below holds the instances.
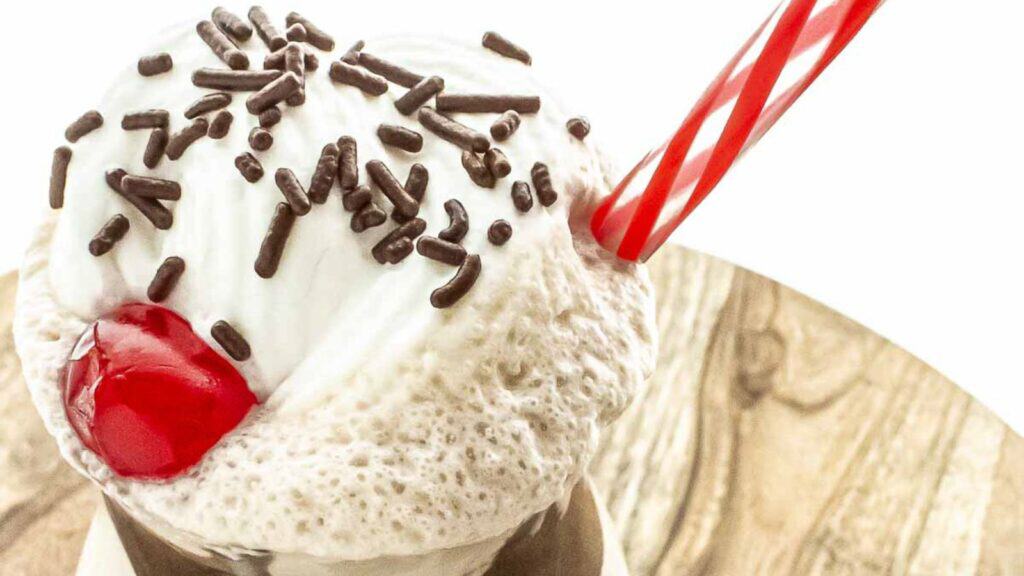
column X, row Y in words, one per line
column 369, row 216
column 419, row 95
column 221, row 124
column 366, row 81
column 238, row 29
column 314, row 35
column 458, row 222
column 237, row 80
column 355, row 199
column 578, row 127
column 265, row 30
column 295, row 60
column 298, row 98
column 113, row 178
column 222, row 46
column 462, row 136
column 395, row 192
column 351, row 55
column 111, row 232
column 497, row 163
column 153, row 210
column 416, row 181
column 249, row 167
column 460, row 284
column 501, row 45
column 441, row 250
column 410, row 230
column 400, row 137
column 147, row 187
column 165, row 279
column 275, row 60
column 348, row 163
column 260, row 139
column 542, row 183
column 145, row 119
column 399, row 217
column 522, row 197
column 477, row 170
column 208, row 103
column 273, row 93
column 270, row 117
column 505, row 126
column 86, row 123
column 325, row 174
column 292, row 190
column 59, row 176
column 295, row 33
column 231, row 341
column 274, row 242
column 397, row 251
column 392, row 72
column 180, row 142
column 499, row 232
column 294, row 63
column 155, row 64
column 156, row 146
column 487, row 103
column 312, row 62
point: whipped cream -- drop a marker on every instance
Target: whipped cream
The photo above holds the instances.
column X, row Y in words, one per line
column 387, row 427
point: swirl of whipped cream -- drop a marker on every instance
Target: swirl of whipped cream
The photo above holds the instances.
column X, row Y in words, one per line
column 387, row 427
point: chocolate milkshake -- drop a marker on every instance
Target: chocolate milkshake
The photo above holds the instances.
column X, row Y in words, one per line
column 313, row 304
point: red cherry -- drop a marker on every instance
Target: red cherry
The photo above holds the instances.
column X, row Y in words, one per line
column 149, row 396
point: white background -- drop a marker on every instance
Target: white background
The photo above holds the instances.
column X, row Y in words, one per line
column 892, row 191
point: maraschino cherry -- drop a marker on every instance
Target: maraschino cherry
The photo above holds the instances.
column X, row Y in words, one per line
column 147, row 395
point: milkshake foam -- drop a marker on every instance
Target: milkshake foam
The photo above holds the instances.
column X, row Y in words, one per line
column 387, row 428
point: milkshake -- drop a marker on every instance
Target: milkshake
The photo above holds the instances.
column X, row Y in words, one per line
column 307, row 304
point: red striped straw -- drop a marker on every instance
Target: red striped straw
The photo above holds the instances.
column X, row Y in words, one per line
column 775, row 66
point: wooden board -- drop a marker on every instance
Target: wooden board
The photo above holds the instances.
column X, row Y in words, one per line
column 777, row 437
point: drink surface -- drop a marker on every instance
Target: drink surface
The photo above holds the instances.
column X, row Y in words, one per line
column 393, row 421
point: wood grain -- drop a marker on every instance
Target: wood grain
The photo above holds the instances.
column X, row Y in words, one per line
column 776, row 437
column 44, row 507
